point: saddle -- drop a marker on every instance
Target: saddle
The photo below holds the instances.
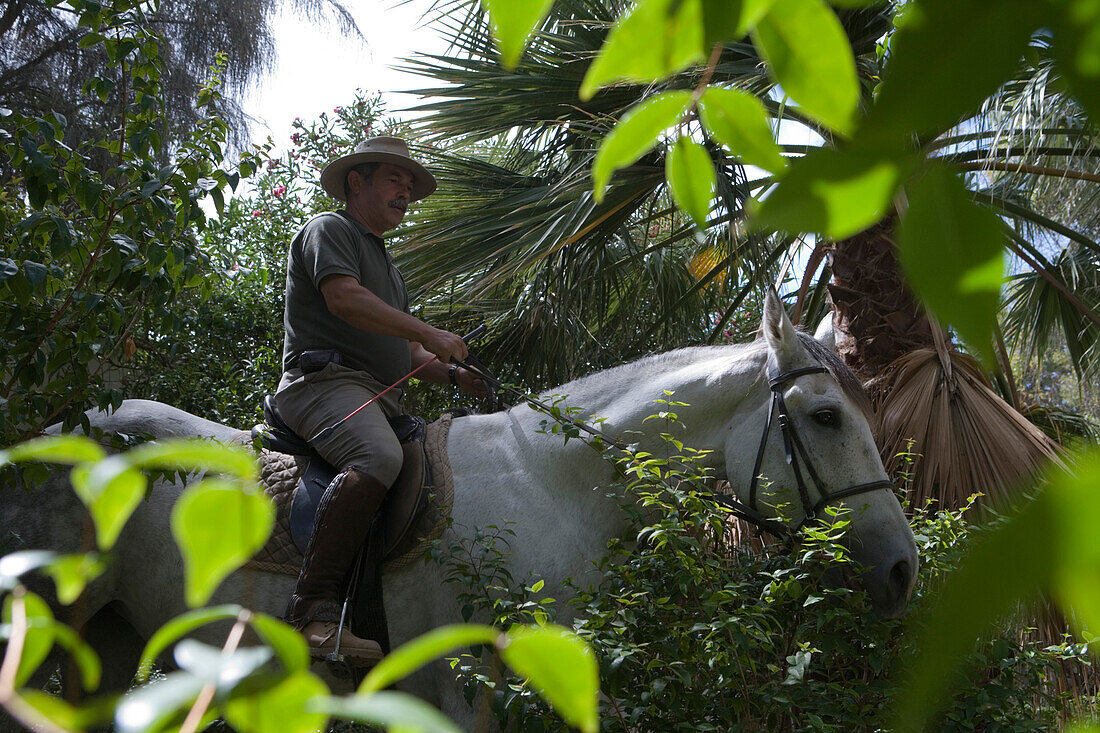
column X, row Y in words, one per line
column 407, row 501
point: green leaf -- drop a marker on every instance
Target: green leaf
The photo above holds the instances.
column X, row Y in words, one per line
column 656, row 39
column 8, row 269
column 288, row 644
column 413, row 655
column 71, row 573
column 1077, row 49
column 281, row 708
column 1075, row 508
column 394, row 710
column 738, row 120
column 936, row 43
column 835, row 193
column 150, row 707
column 691, row 176
column 213, row 666
column 111, row 489
column 1004, row 567
column 35, row 272
column 177, row 628
column 218, row 527
column 561, row 667
column 41, row 629
column 809, row 55
column 196, row 456
column 953, row 255
column 15, row 565
column 730, row 20
column 57, row 710
column 86, row 660
column 636, row 134
column 513, row 23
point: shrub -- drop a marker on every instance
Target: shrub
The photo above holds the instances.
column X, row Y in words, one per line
column 695, row 632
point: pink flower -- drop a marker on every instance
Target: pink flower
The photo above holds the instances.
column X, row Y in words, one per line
column 272, row 164
column 336, row 109
column 257, row 212
column 279, row 191
column 654, row 230
column 296, row 138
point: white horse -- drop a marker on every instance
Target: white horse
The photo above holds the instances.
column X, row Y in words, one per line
column 553, row 493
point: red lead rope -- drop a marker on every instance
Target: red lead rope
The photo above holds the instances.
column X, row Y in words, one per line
column 473, row 334
column 368, row 403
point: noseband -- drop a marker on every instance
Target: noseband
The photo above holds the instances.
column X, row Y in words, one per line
column 797, row 457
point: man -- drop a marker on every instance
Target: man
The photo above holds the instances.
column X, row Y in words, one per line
column 349, row 335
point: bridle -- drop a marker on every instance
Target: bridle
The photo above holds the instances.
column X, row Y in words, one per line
column 798, row 458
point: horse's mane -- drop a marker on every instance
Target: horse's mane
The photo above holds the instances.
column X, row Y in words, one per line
column 840, row 371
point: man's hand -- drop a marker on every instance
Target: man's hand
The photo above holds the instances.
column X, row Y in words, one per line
column 470, row 383
column 444, row 344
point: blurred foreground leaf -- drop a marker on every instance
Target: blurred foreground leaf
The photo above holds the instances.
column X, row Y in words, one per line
column 833, row 193
column 657, row 38
column 690, row 173
column 808, row 53
column 513, row 23
column 218, row 527
column 280, row 708
column 1051, row 543
column 636, row 134
column 952, row 251
column 68, row 449
column 391, row 710
column 111, row 489
column 413, row 655
column 559, row 665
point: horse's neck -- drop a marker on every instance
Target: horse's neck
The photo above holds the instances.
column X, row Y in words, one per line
column 715, row 382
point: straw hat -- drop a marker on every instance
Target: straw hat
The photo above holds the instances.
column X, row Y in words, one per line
column 391, row 150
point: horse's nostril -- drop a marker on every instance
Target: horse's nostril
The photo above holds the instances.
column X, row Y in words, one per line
column 900, row 575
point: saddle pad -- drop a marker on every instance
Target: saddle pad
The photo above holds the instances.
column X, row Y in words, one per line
column 280, row 473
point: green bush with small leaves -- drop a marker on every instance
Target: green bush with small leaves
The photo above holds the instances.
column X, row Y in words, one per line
column 696, row 632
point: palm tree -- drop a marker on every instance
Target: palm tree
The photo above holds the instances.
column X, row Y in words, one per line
column 571, row 284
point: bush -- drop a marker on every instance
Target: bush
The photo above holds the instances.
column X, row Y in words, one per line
column 694, row 632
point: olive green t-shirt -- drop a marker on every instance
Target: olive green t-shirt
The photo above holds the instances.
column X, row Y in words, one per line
column 335, row 244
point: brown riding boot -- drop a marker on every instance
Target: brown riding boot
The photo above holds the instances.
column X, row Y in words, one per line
column 343, row 518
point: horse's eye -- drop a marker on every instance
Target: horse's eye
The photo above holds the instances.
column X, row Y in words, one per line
column 825, row 417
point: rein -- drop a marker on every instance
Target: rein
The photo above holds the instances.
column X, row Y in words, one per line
column 795, row 453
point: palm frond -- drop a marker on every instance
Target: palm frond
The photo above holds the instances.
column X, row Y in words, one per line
column 967, row 440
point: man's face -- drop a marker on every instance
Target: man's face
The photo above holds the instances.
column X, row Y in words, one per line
column 383, row 200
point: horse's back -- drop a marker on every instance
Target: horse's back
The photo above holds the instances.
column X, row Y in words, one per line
column 156, row 419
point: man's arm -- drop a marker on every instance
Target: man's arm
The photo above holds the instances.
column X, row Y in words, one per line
column 359, row 307
column 437, row 372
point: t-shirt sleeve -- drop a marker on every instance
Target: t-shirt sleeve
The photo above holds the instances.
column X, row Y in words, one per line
column 328, row 249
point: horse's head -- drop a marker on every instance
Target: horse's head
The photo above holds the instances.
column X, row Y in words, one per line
column 808, row 444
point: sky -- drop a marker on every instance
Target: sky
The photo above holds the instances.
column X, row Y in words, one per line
column 318, row 68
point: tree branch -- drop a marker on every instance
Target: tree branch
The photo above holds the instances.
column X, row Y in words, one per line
column 14, row 10
column 60, row 44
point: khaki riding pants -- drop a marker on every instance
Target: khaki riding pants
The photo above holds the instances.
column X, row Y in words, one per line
column 309, row 403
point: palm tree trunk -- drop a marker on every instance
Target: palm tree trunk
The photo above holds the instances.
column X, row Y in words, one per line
column 876, row 316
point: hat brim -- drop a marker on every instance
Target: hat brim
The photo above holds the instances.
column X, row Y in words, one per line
column 336, row 172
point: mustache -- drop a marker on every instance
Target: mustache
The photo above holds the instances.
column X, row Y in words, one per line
column 399, row 204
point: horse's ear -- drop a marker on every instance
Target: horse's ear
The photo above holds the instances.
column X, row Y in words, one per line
column 779, row 332
column 825, row 335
